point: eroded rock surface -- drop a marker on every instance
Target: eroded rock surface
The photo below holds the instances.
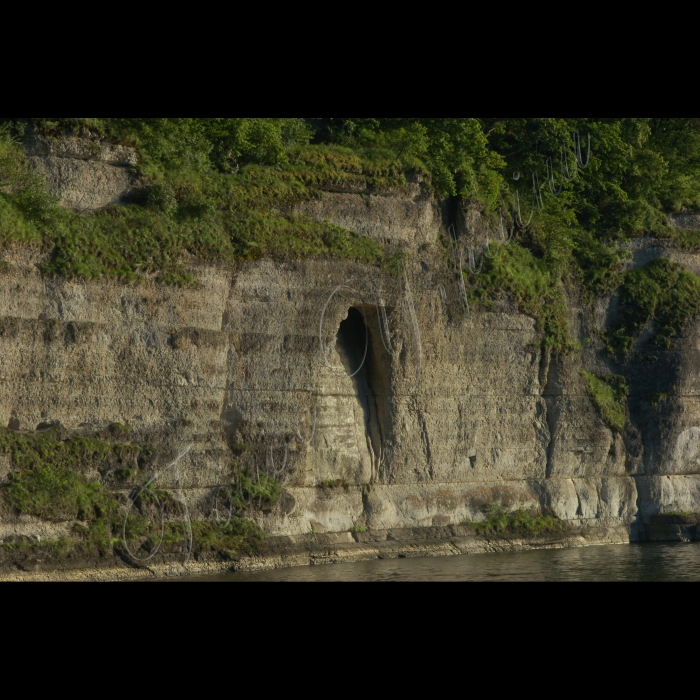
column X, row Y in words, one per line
column 82, row 173
column 459, row 412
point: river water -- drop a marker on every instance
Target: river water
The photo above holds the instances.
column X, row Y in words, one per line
column 637, row 562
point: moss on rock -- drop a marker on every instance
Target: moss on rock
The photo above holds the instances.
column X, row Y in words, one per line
column 609, row 394
column 662, row 294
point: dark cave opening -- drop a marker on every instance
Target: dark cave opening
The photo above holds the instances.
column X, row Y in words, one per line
column 353, row 345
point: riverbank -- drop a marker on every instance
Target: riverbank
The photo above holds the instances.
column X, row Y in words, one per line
column 316, row 550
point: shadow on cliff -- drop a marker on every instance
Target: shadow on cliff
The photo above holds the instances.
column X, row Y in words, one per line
column 355, row 348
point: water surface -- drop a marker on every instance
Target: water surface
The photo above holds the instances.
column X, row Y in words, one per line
column 646, row 562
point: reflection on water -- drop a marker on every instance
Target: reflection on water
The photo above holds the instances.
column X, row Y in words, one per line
column 648, row 562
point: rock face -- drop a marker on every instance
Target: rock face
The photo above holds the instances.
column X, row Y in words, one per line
column 686, row 221
column 465, row 412
column 83, row 174
column 412, row 219
column 450, row 411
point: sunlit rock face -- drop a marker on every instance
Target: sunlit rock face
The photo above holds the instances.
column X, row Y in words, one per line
column 374, row 398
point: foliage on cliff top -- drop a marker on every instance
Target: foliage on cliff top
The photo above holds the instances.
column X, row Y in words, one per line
column 609, row 393
column 224, row 188
column 662, row 294
column 640, row 170
column 192, row 207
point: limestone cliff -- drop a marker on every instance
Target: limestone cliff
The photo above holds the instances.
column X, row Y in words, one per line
column 452, row 411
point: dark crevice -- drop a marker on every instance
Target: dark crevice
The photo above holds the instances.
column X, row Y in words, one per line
column 427, row 449
column 550, row 407
column 353, row 338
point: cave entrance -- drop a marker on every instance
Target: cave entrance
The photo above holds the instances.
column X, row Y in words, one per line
column 354, row 344
column 354, row 347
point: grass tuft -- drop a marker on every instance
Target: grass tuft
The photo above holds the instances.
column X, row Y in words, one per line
column 499, row 520
column 609, row 393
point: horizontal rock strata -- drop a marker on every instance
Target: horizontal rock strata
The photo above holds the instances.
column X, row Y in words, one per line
column 458, row 412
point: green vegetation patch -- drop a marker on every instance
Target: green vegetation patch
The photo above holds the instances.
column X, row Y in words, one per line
column 516, row 271
column 598, row 265
column 609, row 393
column 54, row 492
column 49, row 483
column 237, row 535
column 685, row 239
column 192, row 208
column 144, row 535
column 663, row 294
column 262, row 492
column 499, row 521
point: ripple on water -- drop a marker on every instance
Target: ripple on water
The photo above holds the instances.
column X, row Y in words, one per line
column 646, row 562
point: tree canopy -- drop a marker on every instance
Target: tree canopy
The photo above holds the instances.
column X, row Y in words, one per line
column 641, row 168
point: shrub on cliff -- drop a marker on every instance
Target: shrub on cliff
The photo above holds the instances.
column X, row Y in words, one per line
column 662, row 297
column 500, row 520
